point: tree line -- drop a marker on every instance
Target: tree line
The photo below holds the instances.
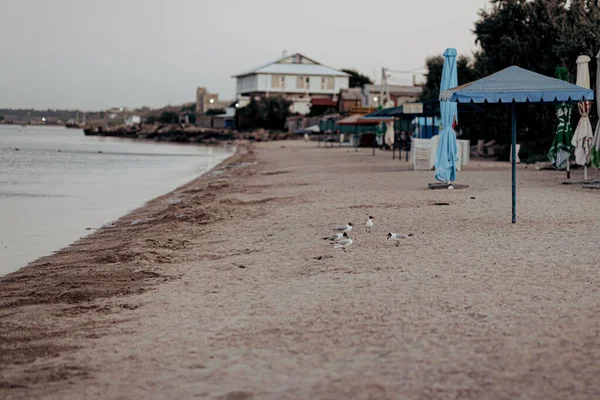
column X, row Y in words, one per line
column 539, row 35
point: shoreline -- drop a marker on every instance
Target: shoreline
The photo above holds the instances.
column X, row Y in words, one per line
column 177, row 133
column 81, row 205
column 224, row 289
column 65, row 283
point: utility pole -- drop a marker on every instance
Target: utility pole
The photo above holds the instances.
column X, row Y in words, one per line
column 387, row 88
column 382, row 83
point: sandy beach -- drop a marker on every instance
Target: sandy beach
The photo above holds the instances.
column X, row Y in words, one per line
column 223, row 289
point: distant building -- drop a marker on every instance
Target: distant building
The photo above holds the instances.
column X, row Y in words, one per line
column 294, row 77
column 349, row 98
column 226, row 120
column 208, row 101
column 133, row 120
column 399, row 94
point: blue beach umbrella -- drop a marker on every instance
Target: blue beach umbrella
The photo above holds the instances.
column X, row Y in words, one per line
column 514, row 85
column 446, row 155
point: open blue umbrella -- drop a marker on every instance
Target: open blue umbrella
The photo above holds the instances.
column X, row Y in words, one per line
column 516, row 85
column 447, row 151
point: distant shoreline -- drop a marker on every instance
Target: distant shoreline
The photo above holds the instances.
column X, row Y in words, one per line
column 185, row 133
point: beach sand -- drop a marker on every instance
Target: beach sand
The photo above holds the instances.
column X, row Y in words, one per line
column 224, row 289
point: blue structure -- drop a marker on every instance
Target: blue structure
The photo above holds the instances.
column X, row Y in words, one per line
column 425, row 130
column 516, row 85
column 447, row 151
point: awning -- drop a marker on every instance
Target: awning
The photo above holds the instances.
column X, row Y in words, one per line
column 357, row 120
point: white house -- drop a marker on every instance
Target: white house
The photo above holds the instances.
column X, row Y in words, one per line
column 133, row 119
column 295, row 77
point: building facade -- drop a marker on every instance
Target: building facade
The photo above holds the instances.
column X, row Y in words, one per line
column 398, row 94
column 208, row 101
column 294, row 77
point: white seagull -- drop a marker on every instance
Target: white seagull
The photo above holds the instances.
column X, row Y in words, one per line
column 336, row 237
column 345, row 228
column 398, row 236
column 342, row 244
column 369, row 224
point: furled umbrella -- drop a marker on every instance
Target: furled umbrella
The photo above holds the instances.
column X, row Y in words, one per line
column 561, row 148
column 582, row 139
column 447, row 150
column 595, row 150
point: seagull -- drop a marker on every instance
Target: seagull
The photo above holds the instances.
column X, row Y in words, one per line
column 398, row 236
column 369, row 224
column 342, row 244
column 336, row 237
column 345, row 228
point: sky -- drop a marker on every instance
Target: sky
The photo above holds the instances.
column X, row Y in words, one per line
column 96, row 54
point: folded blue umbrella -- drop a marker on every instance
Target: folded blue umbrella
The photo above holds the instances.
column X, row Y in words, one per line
column 447, row 151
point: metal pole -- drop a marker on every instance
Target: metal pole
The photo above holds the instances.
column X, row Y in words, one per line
column 355, row 138
column 514, row 164
column 381, row 88
column 374, row 140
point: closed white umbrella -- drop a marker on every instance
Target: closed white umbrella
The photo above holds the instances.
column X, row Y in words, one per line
column 595, row 150
column 582, row 139
column 389, row 133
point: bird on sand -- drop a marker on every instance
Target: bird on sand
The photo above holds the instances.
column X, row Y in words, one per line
column 369, row 224
column 342, row 244
column 344, row 228
column 336, row 237
column 398, row 236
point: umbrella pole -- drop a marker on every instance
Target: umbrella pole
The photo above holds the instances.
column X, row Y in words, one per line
column 514, row 164
column 374, row 140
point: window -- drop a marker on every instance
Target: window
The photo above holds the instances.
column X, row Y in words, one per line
column 303, row 82
column 278, row 81
column 330, row 83
column 327, row 83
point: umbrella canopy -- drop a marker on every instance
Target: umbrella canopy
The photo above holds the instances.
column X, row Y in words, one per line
column 561, row 148
column 582, row 139
column 516, row 85
column 595, row 150
column 447, row 151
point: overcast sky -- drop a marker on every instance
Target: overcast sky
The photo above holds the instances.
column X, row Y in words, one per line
column 95, row 54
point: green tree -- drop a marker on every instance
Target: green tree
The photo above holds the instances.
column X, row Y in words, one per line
column 539, row 35
column 435, row 65
column 357, row 79
column 191, row 108
column 168, row 117
column 215, row 111
column 267, row 113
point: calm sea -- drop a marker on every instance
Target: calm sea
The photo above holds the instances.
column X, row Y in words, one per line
column 60, row 182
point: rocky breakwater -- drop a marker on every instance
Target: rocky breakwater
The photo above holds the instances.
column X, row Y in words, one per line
column 183, row 133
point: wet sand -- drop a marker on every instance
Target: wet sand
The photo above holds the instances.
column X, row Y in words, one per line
column 223, row 289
